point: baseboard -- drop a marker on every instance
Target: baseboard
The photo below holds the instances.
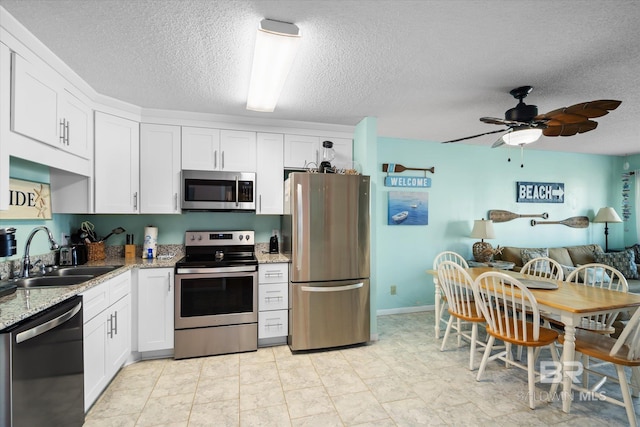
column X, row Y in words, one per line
column 404, row 310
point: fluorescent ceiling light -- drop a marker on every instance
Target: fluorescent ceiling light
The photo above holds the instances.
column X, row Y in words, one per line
column 521, row 137
column 276, row 46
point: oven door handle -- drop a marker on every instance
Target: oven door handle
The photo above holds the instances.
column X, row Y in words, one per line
column 209, row 270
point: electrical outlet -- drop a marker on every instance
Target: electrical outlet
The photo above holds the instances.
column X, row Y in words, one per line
column 63, row 239
column 393, row 289
column 275, row 232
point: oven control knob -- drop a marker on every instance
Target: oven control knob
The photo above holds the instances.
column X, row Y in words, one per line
column 246, row 237
column 241, row 237
column 199, row 237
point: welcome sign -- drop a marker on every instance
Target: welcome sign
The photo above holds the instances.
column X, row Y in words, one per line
column 28, row 200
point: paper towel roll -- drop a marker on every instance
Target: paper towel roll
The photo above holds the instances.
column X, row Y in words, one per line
column 150, row 242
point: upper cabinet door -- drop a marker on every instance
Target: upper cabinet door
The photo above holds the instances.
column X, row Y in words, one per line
column 159, row 168
column 238, row 150
column 35, row 103
column 45, row 111
column 344, row 152
column 117, row 164
column 270, row 174
column 200, row 149
column 301, row 152
column 77, row 126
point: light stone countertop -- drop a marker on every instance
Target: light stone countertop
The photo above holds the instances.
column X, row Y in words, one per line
column 26, row 302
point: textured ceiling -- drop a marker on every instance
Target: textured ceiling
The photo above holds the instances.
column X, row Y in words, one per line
column 427, row 70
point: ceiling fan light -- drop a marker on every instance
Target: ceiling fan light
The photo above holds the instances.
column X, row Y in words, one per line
column 522, row 137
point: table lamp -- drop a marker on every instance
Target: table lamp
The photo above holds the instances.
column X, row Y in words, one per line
column 482, row 229
column 607, row 215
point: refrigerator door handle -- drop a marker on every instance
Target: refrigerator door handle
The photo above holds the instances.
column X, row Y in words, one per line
column 299, row 218
column 331, row 288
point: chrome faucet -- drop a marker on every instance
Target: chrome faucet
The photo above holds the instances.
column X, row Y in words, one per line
column 26, row 261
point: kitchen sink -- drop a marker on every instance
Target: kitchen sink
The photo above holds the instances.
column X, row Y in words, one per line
column 82, row 271
column 52, row 281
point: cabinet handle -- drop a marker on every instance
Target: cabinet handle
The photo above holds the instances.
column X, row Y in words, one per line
column 215, row 159
column 317, row 160
column 115, row 316
column 260, row 203
column 222, row 162
column 135, row 201
column 66, row 131
column 62, row 131
column 110, row 326
column 169, row 282
column 273, row 274
column 175, row 202
column 273, row 325
column 237, row 189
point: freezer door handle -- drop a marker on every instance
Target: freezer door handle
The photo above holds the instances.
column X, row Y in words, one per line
column 331, row 288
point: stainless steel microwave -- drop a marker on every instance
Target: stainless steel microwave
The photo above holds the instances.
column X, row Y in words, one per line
column 218, row 191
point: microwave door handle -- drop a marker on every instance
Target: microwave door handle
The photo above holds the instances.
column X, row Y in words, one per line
column 237, row 192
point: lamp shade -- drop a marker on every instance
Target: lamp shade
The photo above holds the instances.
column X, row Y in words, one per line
column 483, row 229
column 522, row 136
column 276, row 46
column 607, row 215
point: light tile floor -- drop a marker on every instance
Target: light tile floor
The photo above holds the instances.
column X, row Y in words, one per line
column 401, row 380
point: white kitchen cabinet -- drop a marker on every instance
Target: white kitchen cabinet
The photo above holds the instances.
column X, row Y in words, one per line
column 273, row 303
column 270, row 174
column 44, row 110
column 106, row 333
column 5, row 120
column 218, row 150
column 301, row 151
column 117, row 164
column 238, row 151
column 159, row 169
column 155, row 309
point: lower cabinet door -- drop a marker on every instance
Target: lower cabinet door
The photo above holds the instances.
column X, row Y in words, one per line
column 95, row 358
column 119, row 340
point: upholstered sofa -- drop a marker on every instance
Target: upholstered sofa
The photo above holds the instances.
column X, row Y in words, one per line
column 570, row 256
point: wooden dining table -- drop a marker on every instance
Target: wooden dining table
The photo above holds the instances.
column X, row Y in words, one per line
column 571, row 302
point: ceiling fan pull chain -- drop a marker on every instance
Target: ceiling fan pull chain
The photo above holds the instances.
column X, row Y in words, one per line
column 522, row 155
column 508, row 153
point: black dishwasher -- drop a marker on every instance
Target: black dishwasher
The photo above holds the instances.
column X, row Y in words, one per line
column 42, row 378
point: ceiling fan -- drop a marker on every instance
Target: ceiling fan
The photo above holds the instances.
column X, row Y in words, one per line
column 525, row 125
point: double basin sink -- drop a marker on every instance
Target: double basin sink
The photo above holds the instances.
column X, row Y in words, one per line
column 64, row 276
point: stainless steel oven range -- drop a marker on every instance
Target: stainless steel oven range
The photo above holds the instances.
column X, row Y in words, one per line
column 216, row 294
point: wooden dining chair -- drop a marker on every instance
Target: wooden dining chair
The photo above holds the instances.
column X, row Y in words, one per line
column 458, row 289
column 544, row 268
column 600, row 276
column 441, row 301
column 504, row 302
column 621, row 352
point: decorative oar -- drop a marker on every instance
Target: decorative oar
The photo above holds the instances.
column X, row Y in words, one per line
column 395, row 167
column 504, row 216
column 575, row 222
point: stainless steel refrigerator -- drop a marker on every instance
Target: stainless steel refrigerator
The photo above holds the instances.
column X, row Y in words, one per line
column 325, row 232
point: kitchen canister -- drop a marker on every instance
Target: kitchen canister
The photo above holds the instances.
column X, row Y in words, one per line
column 150, row 245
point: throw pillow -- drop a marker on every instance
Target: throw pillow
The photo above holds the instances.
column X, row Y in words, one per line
column 593, row 274
column 623, row 261
column 529, row 254
column 567, row 269
column 636, row 250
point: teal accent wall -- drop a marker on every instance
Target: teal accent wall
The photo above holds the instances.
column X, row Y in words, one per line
column 467, row 183
column 171, row 228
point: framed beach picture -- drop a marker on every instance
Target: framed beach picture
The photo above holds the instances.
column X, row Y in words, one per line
column 408, row 208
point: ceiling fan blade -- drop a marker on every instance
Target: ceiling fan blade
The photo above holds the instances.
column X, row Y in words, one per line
column 474, row 136
column 505, row 122
column 586, row 110
column 499, row 142
column 570, row 129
